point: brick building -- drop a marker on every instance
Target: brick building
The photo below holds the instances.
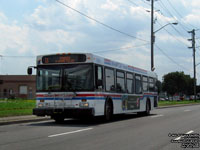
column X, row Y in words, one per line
column 18, row 86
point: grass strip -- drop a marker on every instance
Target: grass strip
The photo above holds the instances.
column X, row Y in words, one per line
column 16, row 112
column 16, row 107
column 25, row 107
column 169, row 103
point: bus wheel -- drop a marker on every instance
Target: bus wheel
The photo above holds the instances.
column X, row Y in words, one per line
column 59, row 119
column 147, row 112
column 108, row 110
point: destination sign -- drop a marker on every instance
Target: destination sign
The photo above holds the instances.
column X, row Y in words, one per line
column 65, row 58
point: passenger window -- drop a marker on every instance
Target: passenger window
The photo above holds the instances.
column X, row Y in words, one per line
column 151, row 85
column 138, row 84
column 110, row 80
column 129, row 83
column 145, row 84
column 120, row 82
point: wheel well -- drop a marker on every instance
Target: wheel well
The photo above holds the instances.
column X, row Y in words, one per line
column 149, row 101
column 109, row 100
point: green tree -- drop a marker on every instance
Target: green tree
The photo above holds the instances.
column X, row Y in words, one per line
column 177, row 82
column 159, row 86
column 189, row 88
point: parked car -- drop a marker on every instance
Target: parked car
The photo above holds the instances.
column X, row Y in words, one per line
column 187, row 98
column 181, row 98
column 162, row 99
column 192, row 97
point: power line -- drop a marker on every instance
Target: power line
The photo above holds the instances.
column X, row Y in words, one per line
column 147, row 11
column 198, row 53
column 107, row 26
column 132, row 2
column 167, row 11
column 146, row 2
column 121, row 48
column 172, row 59
column 175, row 29
column 99, row 51
column 179, row 14
column 172, row 35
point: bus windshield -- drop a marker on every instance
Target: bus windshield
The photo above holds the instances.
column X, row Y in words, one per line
column 76, row 77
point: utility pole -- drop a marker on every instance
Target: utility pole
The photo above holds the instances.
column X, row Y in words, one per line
column 1, row 58
column 152, row 35
column 194, row 62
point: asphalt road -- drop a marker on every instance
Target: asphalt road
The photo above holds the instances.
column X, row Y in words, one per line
column 125, row 132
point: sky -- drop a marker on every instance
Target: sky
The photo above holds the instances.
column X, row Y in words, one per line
column 121, row 32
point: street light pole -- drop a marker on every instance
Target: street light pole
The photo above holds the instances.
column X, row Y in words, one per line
column 152, row 35
column 175, row 23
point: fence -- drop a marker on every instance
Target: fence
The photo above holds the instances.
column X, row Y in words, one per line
column 15, row 95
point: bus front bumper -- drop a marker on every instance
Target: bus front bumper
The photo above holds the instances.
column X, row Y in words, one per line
column 67, row 112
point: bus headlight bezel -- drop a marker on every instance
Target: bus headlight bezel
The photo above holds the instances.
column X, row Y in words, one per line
column 84, row 104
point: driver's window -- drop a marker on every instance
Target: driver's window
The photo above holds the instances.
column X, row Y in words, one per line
column 99, row 77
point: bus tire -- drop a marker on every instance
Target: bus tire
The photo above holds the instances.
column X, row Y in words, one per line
column 108, row 113
column 59, row 119
column 148, row 108
column 147, row 111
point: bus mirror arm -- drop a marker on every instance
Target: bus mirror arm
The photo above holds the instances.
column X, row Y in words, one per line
column 29, row 70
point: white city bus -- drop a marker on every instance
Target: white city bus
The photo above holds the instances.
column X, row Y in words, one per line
column 83, row 84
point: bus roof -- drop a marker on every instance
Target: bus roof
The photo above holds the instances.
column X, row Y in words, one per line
column 71, row 58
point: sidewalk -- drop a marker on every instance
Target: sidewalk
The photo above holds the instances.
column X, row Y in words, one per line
column 21, row 119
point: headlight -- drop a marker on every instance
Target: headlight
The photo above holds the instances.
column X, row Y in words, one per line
column 40, row 105
column 83, row 104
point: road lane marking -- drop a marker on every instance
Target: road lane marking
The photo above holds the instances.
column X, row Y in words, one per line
column 178, row 138
column 187, row 110
column 71, row 132
column 156, row 116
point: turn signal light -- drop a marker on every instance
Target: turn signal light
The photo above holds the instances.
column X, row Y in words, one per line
column 84, row 100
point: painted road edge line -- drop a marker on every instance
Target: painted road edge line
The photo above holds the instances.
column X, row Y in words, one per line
column 178, row 138
column 187, row 110
column 71, row 132
column 157, row 116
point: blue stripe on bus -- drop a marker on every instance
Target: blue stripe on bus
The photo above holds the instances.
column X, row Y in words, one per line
column 88, row 98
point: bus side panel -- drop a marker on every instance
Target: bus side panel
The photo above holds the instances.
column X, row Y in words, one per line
column 129, row 103
column 99, row 107
column 152, row 102
column 143, row 104
column 117, row 104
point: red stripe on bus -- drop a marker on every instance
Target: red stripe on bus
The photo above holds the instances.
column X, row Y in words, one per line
column 79, row 95
column 85, row 95
column 149, row 94
column 40, row 95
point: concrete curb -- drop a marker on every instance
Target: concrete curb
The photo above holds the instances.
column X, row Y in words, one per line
column 180, row 105
column 21, row 119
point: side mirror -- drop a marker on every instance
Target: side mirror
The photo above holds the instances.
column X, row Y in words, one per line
column 29, row 71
